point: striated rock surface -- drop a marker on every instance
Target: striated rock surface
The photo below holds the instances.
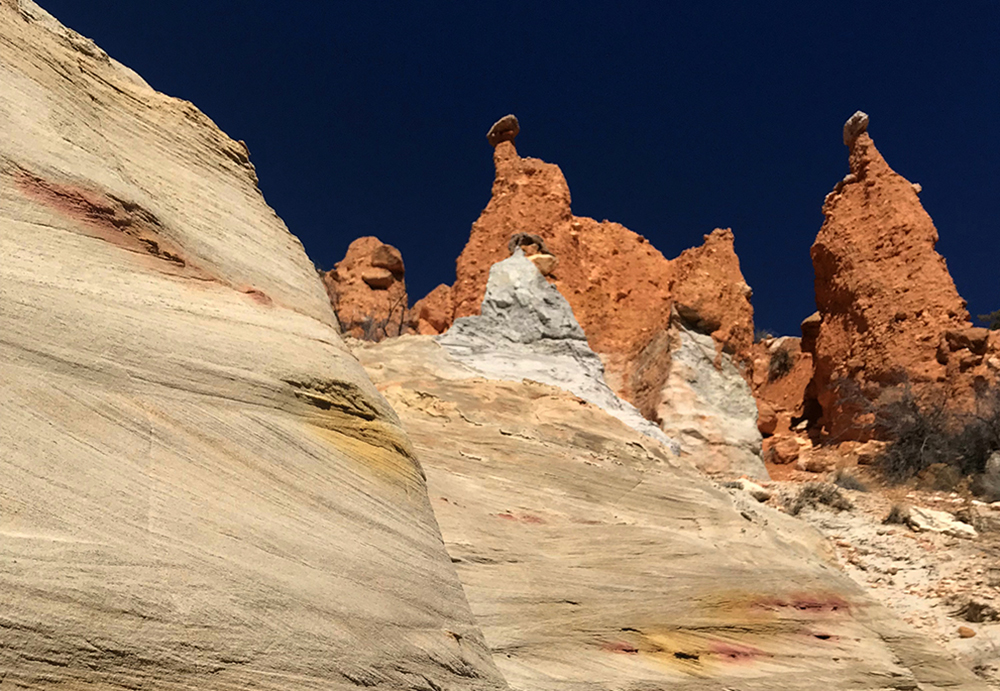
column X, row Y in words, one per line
column 706, row 405
column 200, row 487
column 595, row 559
column 621, row 288
column 526, row 330
column 367, row 290
column 889, row 310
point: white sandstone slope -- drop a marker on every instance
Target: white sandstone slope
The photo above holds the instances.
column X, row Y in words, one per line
column 592, row 556
column 199, row 487
column 594, row 559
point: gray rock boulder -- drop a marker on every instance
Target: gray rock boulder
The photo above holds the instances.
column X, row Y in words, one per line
column 855, row 125
column 526, row 330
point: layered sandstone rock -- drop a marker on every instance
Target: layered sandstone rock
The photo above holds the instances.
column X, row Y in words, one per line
column 889, row 310
column 595, row 559
column 367, row 290
column 201, row 489
column 621, row 288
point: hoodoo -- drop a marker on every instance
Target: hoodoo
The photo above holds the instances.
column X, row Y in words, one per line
column 368, row 291
column 621, row 288
column 890, row 313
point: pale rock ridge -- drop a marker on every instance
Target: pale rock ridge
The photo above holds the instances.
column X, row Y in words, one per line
column 526, row 330
column 201, row 488
column 707, row 405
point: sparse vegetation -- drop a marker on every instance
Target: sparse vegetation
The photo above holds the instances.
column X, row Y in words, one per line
column 389, row 325
column 899, row 514
column 987, row 486
column 762, row 335
column 816, row 493
column 780, row 364
column 973, row 610
column 991, row 320
column 922, row 434
column 846, row 480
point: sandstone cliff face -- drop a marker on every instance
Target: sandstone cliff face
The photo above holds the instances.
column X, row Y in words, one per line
column 595, row 559
column 201, row 488
column 621, row 288
column 889, row 308
column 367, row 290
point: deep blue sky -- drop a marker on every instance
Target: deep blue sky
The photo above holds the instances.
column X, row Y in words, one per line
column 671, row 118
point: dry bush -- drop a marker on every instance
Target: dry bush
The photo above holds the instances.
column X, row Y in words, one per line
column 390, row 325
column 899, row 514
column 780, row 364
column 846, row 480
column 927, row 432
column 816, row 493
column 991, row 320
column 922, row 434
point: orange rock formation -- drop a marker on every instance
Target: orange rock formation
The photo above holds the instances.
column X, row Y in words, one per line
column 367, row 290
column 889, row 308
column 621, row 288
column 782, row 372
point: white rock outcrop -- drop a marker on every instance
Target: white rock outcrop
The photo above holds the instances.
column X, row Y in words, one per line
column 526, row 330
column 199, row 487
column 708, row 407
column 930, row 520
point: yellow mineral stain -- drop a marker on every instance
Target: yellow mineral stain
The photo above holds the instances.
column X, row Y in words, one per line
column 380, row 448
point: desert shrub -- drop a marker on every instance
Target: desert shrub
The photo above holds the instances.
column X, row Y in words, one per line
column 991, row 320
column 780, row 364
column 974, row 610
column 899, row 514
column 846, row 480
column 387, row 325
column 925, row 433
column 816, row 493
column 762, row 335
